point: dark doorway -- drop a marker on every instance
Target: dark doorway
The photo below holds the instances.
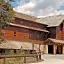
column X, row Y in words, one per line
column 59, row 50
column 50, row 49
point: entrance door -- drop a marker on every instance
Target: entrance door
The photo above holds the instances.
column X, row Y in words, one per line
column 59, row 50
column 50, row 49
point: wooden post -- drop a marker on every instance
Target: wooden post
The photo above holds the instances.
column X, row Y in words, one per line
column 33, row 47
column 54, row 49
column 37, row 57
column 63, row 49
column 44, row 49
column 39, row 52
column 24, row 59
column 39, row 47
column 4, row 61
column 40, row 55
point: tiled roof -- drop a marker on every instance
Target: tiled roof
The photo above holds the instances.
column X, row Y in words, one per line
column 51, row 21
column 10, row 44
column 54, row 41
column 24, row 16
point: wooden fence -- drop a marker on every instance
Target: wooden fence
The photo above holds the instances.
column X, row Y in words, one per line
column 38, row 56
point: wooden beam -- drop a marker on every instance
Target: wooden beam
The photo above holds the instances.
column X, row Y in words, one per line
column 33, row 47
column 44, row 49
column 54, row 49
column 63, row 49
column 4, row 59
column 40, row 52
column 39, row 47
column 24, row 59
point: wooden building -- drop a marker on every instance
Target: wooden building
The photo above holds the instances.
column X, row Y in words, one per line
column 56, row 29
column 28, row 29
column 25, row 29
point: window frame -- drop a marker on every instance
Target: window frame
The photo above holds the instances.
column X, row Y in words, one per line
column 14, row 33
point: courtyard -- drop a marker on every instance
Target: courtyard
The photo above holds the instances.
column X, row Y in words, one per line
column 51, row 59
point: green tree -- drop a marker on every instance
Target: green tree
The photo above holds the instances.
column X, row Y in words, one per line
column 6, row 14
column 1, row 0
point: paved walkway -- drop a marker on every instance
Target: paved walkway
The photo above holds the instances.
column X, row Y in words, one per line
column 51, row 59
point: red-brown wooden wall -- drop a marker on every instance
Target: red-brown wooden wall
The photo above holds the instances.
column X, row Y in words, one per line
column 60, row 33
column 21, row 34
column 29, row 23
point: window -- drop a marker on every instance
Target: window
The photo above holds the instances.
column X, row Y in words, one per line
column 14, row 33
column 21, row 22
column 30, row 24
column 37, row 36
column 30, row 35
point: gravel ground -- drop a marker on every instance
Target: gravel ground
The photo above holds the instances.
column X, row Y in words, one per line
column 51, row 59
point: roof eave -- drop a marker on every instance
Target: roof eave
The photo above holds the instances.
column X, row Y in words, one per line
column 29, row 27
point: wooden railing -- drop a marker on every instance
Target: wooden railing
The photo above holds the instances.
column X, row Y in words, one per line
column 38, row 56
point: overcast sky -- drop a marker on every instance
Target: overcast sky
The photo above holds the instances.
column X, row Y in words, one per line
column 39, row 8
